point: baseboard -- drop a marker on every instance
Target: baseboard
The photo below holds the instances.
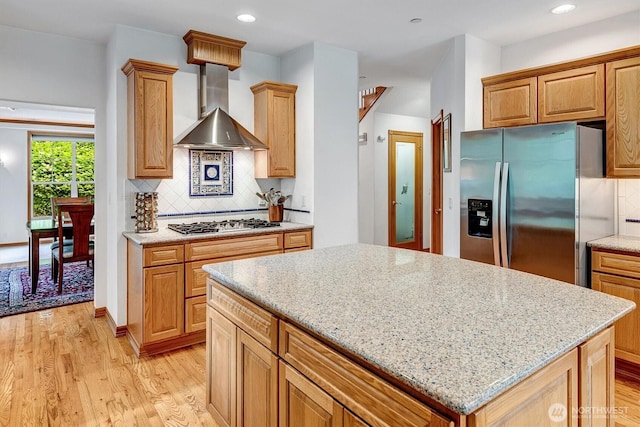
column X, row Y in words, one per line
column 118, row 331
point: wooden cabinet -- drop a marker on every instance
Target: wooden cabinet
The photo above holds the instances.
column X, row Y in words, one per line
column 155, row 295
column 619, row 274
column 623, row 118
column 275, row 124
column 511, row 103
column 297, row 241
column 242, row 372
column 571, row 95
column 149, row 119
column 302, row 403
column 597, row 369
column 167, row 301
column 254, row 356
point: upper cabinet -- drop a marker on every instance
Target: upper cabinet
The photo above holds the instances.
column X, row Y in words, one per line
column 511, row 103
column 576, row 94
column 149, row 119
column 593, row 89
column 623, row 118
column 275, row 125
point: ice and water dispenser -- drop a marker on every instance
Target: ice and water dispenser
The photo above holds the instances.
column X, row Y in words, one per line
column 480, row 218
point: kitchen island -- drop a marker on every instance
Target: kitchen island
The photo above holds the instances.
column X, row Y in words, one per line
column 371, row 335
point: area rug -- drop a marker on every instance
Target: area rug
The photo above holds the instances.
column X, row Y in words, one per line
column 16, row 296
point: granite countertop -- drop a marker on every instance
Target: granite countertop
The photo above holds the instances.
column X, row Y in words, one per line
column 164, row 235
column 617, row 243
column 458, row 331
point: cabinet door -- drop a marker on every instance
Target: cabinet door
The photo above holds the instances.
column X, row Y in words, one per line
column 627, row 329
column 221, row 368
column 623, row 116
column 302, row 403
column 511, row 103
column 597, row 370
column 150, row 119
column 163, row 302
column 257, row 383
column 274, row 124
column 576, row 94
column 350, row 420
column 195, row 317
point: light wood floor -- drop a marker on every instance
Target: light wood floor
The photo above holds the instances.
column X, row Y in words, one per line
column 63, row 367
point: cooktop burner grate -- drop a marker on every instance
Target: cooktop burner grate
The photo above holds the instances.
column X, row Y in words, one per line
column 220, row 226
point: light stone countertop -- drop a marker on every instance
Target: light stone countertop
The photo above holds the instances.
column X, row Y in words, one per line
column 164, row 235
column 458, row 331
column 617, row 243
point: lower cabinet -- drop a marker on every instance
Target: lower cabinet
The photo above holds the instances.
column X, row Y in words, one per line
column 166, row 285
column 619, row 274
column 264, row 371
column 302, row 403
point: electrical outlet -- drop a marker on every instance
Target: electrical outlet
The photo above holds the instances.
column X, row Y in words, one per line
column 262, row 204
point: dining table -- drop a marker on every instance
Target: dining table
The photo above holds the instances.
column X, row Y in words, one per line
column 42, row 229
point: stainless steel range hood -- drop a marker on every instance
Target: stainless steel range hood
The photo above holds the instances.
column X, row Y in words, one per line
column 216, row 129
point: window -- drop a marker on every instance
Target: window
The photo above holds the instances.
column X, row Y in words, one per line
column 61, row 166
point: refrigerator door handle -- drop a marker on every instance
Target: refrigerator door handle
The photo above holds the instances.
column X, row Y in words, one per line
column 495, row 217
column 503, row 215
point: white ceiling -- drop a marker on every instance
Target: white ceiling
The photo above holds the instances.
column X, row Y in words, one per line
column 392, row 52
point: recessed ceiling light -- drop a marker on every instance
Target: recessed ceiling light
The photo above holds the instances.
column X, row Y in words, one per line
column 563, row 9
column 415, row 21
column 245, row 17
column 8, row 108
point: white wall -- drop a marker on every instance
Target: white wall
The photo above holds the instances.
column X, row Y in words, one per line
column 382, row 123
column 335, row 151
column 591, row 39
column 74, row 75
column 366, row 179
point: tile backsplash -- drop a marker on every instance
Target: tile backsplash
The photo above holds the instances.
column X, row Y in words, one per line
column 629, row 207
column 173, row 194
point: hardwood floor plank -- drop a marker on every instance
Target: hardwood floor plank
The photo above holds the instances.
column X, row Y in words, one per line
column 63, row 367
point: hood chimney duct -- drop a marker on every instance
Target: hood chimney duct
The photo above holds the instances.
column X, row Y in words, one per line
column 215, row 56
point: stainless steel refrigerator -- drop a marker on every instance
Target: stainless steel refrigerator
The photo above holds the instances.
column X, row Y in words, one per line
column 532, row 196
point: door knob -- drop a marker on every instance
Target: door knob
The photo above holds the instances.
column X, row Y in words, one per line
column 396, row 203
column 437, row 211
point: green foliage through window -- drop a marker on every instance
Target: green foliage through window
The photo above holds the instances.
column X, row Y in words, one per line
column 60, row 168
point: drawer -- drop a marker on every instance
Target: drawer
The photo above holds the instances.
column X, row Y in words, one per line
column 255, row 321
column 163, row 255
column 233, row 247
column 615, row 263
column 195, row 312
column 195, row 279
column 366, row 395
column 297, row 239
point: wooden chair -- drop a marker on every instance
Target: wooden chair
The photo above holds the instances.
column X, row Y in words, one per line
column 81, row 247
column 55, row 201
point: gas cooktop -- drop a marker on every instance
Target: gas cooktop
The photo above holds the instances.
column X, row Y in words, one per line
column 221, row 226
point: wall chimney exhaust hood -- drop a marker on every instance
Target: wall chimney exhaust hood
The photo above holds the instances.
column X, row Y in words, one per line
column 215, row 129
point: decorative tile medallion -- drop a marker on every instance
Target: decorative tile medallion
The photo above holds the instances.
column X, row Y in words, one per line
column 211, row 173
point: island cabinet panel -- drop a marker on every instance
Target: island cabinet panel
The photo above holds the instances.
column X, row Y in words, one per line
column 372, row 399
column 597, row 371
column 302, row 403
column 221, row 368
column 623, row 115
column 257, row 383
column 576, row 94
column 242, row 385
column 512, row 103
column 550, row 397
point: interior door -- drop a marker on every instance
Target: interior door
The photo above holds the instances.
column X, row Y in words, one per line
column 405, row 189
column 436, row 185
